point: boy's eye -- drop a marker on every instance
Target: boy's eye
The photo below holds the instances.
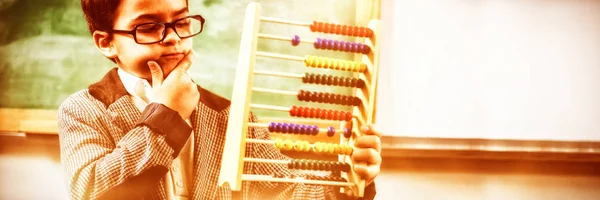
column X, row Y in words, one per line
column 183, row 23
column 149, row 28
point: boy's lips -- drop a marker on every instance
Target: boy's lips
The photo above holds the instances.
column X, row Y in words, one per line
column 172, row 55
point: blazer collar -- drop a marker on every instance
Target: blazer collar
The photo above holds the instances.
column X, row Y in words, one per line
column 110, row 88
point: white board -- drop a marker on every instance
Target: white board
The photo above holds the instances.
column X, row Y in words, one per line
column 526, row 69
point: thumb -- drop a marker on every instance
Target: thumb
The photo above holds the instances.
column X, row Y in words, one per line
column 157, row 74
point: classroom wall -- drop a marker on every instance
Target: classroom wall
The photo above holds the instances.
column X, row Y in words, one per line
column 30, row 169
column 495, row 69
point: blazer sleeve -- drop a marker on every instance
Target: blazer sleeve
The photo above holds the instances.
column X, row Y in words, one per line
column 268, row 190
column 99, row 168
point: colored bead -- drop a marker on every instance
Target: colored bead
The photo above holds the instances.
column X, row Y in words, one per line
column 278, row 127
column 330, row 131
column 315, row 130
column 295, row 40
column 323, row 114
column 347, row 133
column 293, row 111
column 360, row 83
column 313, row 27
column 348, row 117
column 278, row 143
column 301, row 129
column 288, row 145
column 318, row 148
column 346, row 167
column 272, row 127
column 331, row 149
column 366, row 49
column 285, row 128
column 336, row 149
column 298, row 146
column 306, row 146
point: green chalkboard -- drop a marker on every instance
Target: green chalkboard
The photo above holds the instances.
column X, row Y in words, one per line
column 46, row 51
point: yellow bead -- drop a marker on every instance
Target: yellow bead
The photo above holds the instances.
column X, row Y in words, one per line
column 299, row 146
column 318, row 148
column 306, row 146
column 336, row 149
column 349, row 150
column 325, row 148
column 331, row 148
column 288, row 145
column 363, row 67
column 278, row 143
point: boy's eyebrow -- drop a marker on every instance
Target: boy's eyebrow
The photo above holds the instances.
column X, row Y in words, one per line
column 155, row 16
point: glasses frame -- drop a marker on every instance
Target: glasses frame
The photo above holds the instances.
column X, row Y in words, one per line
column 164, row 33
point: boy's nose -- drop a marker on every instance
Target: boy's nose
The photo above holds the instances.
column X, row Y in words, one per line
column 171, row 37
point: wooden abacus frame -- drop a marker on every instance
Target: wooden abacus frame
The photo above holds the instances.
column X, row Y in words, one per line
column 235, row 145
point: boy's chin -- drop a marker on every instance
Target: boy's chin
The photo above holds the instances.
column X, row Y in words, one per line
column 167, row 67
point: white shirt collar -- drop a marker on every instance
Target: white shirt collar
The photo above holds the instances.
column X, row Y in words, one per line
column 130, row 82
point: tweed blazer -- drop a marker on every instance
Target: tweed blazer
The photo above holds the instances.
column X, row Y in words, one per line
column 111, row 150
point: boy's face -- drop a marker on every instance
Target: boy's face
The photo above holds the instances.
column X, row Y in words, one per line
column 133, row 57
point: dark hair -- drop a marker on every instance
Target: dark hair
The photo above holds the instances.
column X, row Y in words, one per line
column 100, row 14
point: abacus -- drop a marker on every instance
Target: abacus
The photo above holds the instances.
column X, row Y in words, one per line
column 363, row 84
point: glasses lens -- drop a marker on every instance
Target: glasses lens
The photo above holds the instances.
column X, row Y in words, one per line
column 148, row 33
column 187, row 27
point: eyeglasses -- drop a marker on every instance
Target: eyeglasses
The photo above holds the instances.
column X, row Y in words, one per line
column 154, row 32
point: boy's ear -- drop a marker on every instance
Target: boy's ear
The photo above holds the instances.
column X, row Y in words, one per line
column 103, row 41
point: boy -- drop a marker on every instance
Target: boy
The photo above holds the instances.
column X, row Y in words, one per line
column 146, row 131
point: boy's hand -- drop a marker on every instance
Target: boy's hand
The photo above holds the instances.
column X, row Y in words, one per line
column 367, row 154
column 177, row 91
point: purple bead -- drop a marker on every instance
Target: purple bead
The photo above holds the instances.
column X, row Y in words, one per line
column 315, row 130
column 286, row 128
column 366, row 49
column 330, row 131
column 360, row 48
column 318, row 43
column 295, row 40
column 353, row 47
column 330, row 44
column 294, row 128
column 278, row 127
column 347, row 133
column 272, row 127
column 343, row 46
column 336, row 45
column 305, row 130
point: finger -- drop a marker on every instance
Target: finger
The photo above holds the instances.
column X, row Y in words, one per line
column 368, row 141
column 185, row 63
column 366, row 172
column 370, row 129
column 157, row 74
column 366, row 155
